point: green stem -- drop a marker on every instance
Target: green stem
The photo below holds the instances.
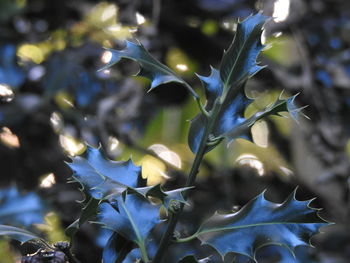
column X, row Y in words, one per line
column 186, row 239
column 143, row 250
column 165, row 241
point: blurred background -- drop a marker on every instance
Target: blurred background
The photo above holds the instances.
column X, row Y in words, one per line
column 53, row 102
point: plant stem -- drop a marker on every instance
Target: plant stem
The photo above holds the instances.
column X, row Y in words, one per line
column 203, row 147
column 143, row 252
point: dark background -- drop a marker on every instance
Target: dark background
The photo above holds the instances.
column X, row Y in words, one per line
column 53, row 101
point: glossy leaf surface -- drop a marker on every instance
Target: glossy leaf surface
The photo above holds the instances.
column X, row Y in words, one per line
column 100, row 176
column 132, row 216
column 107, row 179
column 276, row 108
column 261, row 223
column 239, row 61
column 227, row 85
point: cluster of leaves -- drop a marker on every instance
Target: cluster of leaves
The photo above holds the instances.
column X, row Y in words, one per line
column 120, row 200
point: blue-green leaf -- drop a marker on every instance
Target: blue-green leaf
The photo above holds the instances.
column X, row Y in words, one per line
column 227, row 85
column 276, row 108
column 239, row 61
column 131, row 216
column 230, row 115
column 94, row 170
column 150, row 68
column 261, row 223
column 107, row 179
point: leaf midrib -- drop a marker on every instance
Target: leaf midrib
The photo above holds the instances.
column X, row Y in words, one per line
column 246, row 226
column 134, row 226
column 161, row 67
column 226, row 83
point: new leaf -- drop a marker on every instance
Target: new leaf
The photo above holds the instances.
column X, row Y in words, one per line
column 225, row 94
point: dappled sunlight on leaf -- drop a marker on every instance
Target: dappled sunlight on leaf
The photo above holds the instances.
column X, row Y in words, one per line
column 281, row 10
column 47, row 181
column 251, row 161
column 8, row 138
column 154, row 170
column 180, row 62
column 260, row 134
column 6, row 93
column 167, row 155
column 71, row 145
column 32, row 53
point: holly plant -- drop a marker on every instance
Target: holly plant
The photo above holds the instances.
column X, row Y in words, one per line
column 118, row 198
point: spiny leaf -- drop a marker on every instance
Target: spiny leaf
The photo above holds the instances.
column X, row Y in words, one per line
column 261, row 223
column 165, row 196
column 150, row 68
column 20, row 209
column 107, row 179
column 19, row 234
column 94, row 170
column 227, row 84
column 230, row 115
column 280, row 105
column 132, row 216
column 239, row 61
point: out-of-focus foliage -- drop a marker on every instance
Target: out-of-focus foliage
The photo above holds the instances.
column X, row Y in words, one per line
column 20, row 209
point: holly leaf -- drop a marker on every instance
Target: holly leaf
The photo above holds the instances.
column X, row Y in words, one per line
column 131, row 216
column 276, row 108
column 98, row 176
column 106, row 179
column 261, row 223
column 19, row 234
column 239, row 61
column 226, row 86
column 20, row 209
column 229, row 117
column 150, row 67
